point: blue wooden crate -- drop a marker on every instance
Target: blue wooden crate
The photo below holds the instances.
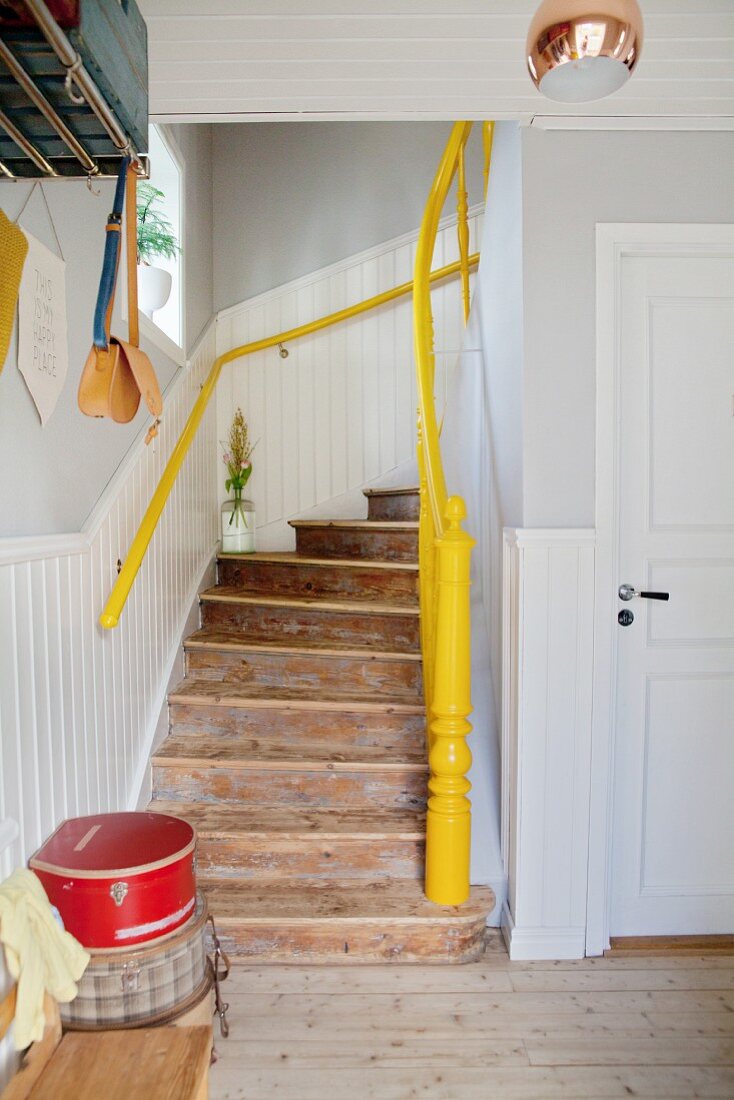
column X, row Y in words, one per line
column 112, row 41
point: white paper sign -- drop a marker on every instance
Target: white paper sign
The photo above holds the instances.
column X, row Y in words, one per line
column 43, row 350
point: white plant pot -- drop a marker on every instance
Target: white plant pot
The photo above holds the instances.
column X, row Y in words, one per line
column 154, row 288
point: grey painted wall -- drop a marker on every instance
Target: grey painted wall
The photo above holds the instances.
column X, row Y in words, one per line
column 51, row 478
column 571, row 181
column 292, row 197
column 496, row 320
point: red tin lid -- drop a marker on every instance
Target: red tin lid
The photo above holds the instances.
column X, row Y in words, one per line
column 103, row 845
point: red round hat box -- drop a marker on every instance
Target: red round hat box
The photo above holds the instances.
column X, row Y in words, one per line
column 120, row 879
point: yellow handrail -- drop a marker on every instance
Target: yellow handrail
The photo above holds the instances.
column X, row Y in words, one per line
column 134, row 558
column 444, row 560
column 423, row 322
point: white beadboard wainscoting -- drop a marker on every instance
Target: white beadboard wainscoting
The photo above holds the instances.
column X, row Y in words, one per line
column 548, row 619
column 79, row 705
column 340, row 412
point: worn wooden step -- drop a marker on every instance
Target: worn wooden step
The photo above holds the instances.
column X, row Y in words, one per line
column 253, row 697
column 341, row 922
column 387, row 730
column 357, row 538
column 219, row 655
column 305, row 720
column 393, row 503
column 288, row 574
column 392, row 625
column 247, row 842
column 197, row 768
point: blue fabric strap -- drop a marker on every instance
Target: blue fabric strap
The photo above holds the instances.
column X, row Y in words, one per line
column 109, row 264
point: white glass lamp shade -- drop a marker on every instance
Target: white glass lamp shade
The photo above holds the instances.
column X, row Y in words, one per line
column 578, row 52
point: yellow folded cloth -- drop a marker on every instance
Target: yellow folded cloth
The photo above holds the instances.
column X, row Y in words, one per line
column 13, row 251
column 40, row 955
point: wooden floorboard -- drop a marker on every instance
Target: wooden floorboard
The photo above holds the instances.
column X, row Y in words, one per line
column 600, row 1028
column 634, row 946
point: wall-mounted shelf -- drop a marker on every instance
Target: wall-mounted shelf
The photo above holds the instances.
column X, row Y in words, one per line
column 73, row 87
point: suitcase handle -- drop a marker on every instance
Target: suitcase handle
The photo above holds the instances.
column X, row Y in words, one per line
column 221, row 1007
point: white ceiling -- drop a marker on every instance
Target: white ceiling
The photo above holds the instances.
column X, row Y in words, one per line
column 217, row 60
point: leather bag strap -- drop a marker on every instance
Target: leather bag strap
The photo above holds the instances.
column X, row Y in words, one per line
column 108, row 279
column 131, row 247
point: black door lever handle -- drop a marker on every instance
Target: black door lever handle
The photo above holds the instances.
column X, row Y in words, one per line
column 628, row 592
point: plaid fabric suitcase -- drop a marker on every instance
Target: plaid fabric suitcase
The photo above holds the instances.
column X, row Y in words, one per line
column 144, row 985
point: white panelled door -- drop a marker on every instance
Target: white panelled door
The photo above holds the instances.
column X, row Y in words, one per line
column 673, row 815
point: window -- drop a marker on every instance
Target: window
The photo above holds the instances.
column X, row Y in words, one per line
column 167, row 177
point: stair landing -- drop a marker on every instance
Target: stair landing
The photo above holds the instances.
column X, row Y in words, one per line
column 297, row 751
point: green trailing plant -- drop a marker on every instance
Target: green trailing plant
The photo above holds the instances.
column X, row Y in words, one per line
column 155, row 233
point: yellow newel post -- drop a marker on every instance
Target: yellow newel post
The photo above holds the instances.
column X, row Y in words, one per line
column 448, row 827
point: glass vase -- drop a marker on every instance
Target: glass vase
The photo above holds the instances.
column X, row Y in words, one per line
column 238, row 526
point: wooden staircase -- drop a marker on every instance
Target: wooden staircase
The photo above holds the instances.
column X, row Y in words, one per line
column 297, row 750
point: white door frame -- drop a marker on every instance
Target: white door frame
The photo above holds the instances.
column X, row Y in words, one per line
column 614, row 242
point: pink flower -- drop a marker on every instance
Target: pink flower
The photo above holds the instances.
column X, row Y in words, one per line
column 227, row 459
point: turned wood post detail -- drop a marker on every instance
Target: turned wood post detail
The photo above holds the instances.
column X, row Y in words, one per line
column 448, row 827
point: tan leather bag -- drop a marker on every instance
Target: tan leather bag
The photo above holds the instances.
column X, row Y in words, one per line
column 118, row 374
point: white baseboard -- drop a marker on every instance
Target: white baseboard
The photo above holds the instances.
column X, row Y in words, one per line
column 140, row 792
column 528, row 944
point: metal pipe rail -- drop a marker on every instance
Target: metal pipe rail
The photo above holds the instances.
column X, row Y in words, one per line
column 134, row 558
column 39, row 100
column 71, row 61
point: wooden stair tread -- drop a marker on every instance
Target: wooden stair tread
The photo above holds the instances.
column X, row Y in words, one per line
column 397, row 901
column 290, row 557
column 245, row 752
column 232, row 693
column 403, row 492
column 298, row 750
column 213, row 819
column 359, row 524
column 222, row 639
column 232, row 594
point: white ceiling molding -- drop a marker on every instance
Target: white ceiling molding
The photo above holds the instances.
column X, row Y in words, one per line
column 643, row 122
column 231, row 60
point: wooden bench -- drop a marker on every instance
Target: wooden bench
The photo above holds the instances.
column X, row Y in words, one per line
column 155, row 1063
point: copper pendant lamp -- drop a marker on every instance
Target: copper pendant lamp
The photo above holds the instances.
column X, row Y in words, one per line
column 579, row 50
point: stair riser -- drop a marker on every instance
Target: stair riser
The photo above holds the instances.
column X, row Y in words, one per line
column 309, row 581
column 262, row 787
column 303, row 671
column 345, row 542
column 340, row 943
column 273, row 858
column 311, row 728
column 264, row 623
column 404, row 506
